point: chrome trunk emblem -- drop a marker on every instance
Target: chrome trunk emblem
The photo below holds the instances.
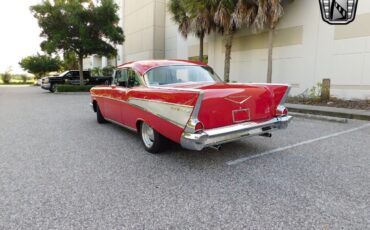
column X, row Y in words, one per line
column 338, row 12
column 238, row 99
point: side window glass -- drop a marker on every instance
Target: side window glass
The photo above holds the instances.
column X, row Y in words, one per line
column 76, row 74
column 86, row 74
column 133, row 79
column 121, row 78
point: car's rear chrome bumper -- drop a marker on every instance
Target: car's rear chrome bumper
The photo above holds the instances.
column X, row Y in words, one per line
column 217, row 136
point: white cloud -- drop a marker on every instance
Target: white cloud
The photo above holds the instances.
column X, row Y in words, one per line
column 19, row 35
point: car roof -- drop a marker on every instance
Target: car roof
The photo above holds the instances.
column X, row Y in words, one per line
column 143, row 66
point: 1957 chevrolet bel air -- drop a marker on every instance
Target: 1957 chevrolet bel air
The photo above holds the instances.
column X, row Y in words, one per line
column 187, row 103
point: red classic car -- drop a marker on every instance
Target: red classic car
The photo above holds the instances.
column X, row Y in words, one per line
column 187, row 103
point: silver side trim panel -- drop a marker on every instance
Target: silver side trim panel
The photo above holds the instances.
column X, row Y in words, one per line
column 217, row 136
column 175, row 113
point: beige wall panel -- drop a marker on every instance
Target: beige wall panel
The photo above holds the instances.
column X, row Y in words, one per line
column 347, row 69
column 366, row 71
column 139, row 20
column 158, row 54
column 247, row 71
column 283, row 37
column 194, row 50
column 140, row 56
column 159, row 45
column 289, row 71
column 132, row 6
column 351, row 93
column 359, row 28
column 349, row 46
column 160, row 11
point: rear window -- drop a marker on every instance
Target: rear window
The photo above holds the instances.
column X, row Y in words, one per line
column 166, row 75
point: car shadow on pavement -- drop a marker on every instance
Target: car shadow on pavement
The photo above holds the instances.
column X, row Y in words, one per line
column 175, row 154
column 227, row 152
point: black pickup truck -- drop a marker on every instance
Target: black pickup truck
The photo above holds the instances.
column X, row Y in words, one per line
column 73, row 77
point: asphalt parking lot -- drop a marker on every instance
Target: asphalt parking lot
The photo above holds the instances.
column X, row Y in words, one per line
column 60, row 169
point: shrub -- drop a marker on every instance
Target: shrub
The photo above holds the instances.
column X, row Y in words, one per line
column 96, row 71
column 6, row 77
column 107, row 71
column 24, row 78
column 74, row 88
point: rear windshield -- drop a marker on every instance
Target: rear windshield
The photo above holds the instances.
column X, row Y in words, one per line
column 176, row 74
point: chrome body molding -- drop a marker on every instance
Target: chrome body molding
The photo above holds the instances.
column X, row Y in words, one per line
column 174, row 113
column 119, row 124
column 173, row 88
column 277, row 84
column 282, row 102
column 217, row 136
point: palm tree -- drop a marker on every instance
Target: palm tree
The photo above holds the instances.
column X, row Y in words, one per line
column 231, row 15
column 180, row 16
column 202, row 23
column 269, row 13
column 193, row 16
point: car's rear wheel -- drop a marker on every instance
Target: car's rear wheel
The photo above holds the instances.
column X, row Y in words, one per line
column 153, row 141
column 99, row 116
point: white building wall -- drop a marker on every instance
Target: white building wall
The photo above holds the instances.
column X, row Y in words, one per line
column 306, row 49
column 341, row 53
column 121, row 48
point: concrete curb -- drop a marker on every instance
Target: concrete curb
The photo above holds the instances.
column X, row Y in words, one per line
column 330, row 111
column 319, row 117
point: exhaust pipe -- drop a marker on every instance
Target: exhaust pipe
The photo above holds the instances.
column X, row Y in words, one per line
column 266, row 135
column 216, row 147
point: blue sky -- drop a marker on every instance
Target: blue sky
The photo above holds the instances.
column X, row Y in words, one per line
column 19, row 35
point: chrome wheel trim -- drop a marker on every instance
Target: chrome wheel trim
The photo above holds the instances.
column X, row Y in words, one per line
column 147, row 134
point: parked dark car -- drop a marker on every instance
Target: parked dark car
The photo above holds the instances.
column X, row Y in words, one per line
column 73, row 77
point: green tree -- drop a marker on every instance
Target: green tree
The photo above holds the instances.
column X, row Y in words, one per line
column 79, row 26
column 231, row 16
column 70, row 61
column 6, row 77
column 40, row 65
column 107, row 71
column 193, row 16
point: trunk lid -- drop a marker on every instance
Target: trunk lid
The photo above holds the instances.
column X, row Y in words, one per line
column 228, row 104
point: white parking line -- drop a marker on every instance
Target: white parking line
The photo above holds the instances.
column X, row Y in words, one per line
column 241, row 160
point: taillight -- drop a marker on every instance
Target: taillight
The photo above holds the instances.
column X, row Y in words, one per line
column 281, row 111
column 199, row 127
